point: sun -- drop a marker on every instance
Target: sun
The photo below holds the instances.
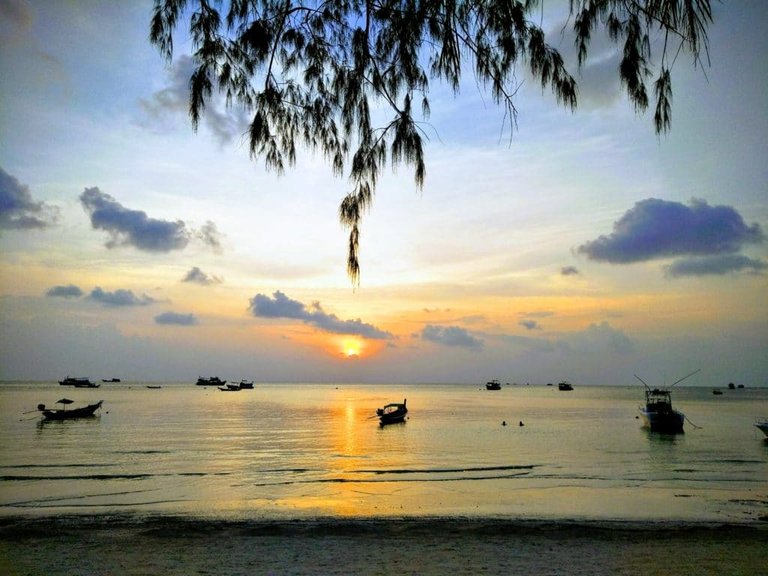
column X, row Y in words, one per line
column 351, row 347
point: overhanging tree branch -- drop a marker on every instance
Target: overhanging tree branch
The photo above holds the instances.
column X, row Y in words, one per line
column 309, row 72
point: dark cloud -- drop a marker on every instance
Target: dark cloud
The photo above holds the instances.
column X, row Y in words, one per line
column 530, row 324
column 120, row 298
column 450, row 336
column 280, row 306
column 601, row 336
column 69, row 291
column 197, row 276
column 132, row 227
column 211, row 237
column 18, row 211
column 714, row 265
column 569, row 271
column 225, row 123
column 176, row 319
column 660, row 229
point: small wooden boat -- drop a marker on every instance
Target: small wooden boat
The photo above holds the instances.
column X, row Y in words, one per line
column 392, row 413
column 64, row 414
column 717, row 392
column 565, row 386
column 493, row 385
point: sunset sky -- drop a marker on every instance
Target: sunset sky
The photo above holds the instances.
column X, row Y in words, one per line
column 583, row 248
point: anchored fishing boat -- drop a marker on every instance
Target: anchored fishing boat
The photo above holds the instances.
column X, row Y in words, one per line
column 658, row 414
column 78, row 382
column 64, row 414
column 230, row 388
column 392, row 413
column 565, row 386
column 212, row 381
column 493, row 385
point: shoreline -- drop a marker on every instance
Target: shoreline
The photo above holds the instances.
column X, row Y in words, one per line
column 112, row 544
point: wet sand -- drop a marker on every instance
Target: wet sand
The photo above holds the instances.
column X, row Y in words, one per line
column 166, row 546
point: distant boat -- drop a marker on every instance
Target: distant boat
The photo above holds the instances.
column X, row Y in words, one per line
column 658, row 414
column 392, row 413
column 493, row 385
column 565, row 386
column 230, row 388
column 717, row 392
column 212, row 381
column 110, row 379
column 64, row 414
column 246, row 384
column 86, row 385
column 762, row 425
column 731, row 386
column 79, row 382
column 153, row 387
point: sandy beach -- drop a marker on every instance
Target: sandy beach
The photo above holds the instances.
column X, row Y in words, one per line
column 109, row 545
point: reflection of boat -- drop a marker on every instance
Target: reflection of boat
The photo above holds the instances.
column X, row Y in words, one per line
column 658, row 414
column 392, row 413
column 64, row 414
column 79, row 382
column 246, row 384
column 762, row 424
column 212, row 381
column 565, row 386
column 110, row 379
column 493, row 385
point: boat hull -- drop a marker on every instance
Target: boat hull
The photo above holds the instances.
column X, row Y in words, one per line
column 84, row 412
column 763, row 427
column 663, row 422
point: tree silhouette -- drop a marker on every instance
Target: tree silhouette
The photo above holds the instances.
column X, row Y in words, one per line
column 309, row 72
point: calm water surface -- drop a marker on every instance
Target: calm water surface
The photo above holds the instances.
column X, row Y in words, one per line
column 307, row 451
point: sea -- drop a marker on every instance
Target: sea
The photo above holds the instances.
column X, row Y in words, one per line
column 316, row 451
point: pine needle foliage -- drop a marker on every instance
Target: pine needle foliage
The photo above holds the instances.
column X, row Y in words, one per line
column 309, row 72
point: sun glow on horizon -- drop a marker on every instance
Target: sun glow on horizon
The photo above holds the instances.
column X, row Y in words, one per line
column 352, row 347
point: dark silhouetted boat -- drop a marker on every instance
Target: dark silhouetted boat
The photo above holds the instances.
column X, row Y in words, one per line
column 78, row 382
column 658, row 414
column 392, row 413
column 246, row 384
column 762, row 425
column 493, row 385
column 565, row 386
column 110, row 379
column 212, row 381
column 64, row 414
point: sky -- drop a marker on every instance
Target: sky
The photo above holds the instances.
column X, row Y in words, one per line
column 584, row 247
